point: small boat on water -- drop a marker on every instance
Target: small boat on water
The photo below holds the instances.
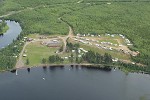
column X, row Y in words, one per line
column 16, row 72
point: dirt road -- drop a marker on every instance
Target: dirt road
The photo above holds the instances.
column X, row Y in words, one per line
column 20, row 62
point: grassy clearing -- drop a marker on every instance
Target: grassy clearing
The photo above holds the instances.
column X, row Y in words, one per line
column 33, row 36
column 36, row 52
column 110, row 40
column 37, row 36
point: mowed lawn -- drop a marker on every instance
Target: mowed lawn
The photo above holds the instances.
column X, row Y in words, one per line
column 36, row 52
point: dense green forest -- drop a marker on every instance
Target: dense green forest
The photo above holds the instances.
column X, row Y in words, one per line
column 42, row 21
column 127, row 17
column 96, row 58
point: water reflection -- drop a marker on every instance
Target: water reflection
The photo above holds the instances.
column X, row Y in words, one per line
column 72, row 66
column 13, row 71
column 52, row 68
column 28, row 69
column 76, row 66
column 1, row 35
column 61, row 67
column 45, row 69
column 97, row 67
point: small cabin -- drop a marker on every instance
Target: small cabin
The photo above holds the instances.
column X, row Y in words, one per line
column 54, row 43
column 24, row 55
column 29, row 39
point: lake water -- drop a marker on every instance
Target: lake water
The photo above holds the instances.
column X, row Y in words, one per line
column 11, row 34
column 73, row 83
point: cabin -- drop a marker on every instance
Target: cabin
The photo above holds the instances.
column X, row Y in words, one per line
column 133, row 63
column 79, row 51
column 115, row 44
column 25, row 37
column 83, row 50
column 127, row 41
column 87, row 39
column 78, row 35
column 129, row 44
column 24, row 55
column 76, row 39
column 79, row 56
column 109, row 3
column 52, row 43
column 29, row 39
column 73, row 51
column 112, row 35
column 66, row 57
column 115, row 60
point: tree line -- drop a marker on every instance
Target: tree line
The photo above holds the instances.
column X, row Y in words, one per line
column 96, row 58
column 52, row 59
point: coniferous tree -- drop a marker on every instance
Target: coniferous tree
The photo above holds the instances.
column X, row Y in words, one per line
column 43, row 61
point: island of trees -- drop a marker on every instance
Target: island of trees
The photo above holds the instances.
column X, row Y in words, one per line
column 3, row 27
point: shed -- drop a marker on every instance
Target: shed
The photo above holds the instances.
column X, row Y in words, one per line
column 24, row 55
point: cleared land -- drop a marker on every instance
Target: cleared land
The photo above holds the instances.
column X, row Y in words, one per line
column 36, row 52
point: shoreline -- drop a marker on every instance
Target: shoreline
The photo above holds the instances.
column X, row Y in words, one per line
column 57, row 65
column 104, row 67
column 98, row 66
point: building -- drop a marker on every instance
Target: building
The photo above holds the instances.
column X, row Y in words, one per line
column 52, row 43
column 24, row 55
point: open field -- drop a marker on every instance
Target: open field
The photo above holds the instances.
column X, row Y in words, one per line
column 36, row 52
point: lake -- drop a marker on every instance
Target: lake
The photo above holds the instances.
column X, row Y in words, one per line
column 73, row 83
column 11, row 34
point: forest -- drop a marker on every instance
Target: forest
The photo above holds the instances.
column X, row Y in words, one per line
column 127, row 17
column 96, row 58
